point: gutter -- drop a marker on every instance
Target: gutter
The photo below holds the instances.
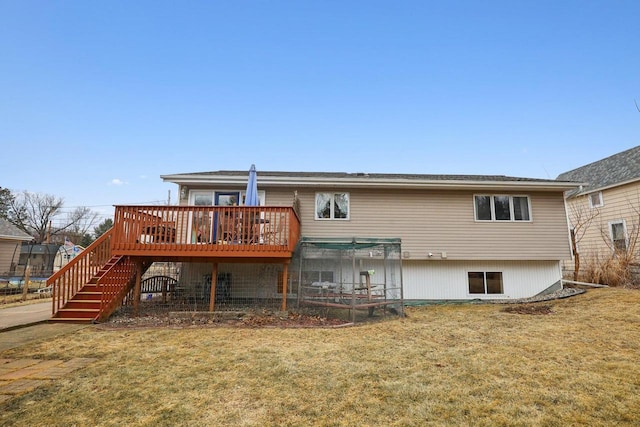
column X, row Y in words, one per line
column 367, row 182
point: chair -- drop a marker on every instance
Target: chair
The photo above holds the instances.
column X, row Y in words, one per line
column 229, row 228
column 274, row 233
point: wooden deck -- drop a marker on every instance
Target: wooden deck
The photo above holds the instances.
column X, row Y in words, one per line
column 92, row 285
column 175, row 232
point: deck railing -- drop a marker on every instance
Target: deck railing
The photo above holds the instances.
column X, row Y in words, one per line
column 205, row 231
column 73, row 276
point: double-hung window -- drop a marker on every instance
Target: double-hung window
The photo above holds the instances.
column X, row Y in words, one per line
column 618, row 231
column 332, row 206
column 502, row 208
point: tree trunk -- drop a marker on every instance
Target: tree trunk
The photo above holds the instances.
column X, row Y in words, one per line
column 576, row 257
column 27, row 279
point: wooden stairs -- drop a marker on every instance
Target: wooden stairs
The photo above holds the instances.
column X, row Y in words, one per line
column 86, row 305
column 92, row 286
column 83, row 307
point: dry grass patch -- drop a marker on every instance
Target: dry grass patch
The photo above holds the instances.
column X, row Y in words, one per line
column 7, row 301
column 442, row 365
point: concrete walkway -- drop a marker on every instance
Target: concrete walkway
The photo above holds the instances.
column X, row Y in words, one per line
column 19, row 336
column 23, row 315
column 27, row 323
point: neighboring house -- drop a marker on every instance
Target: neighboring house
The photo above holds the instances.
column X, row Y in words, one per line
column 39, row 257
column 604, row 211
column 441, row 237
column 11, row 238
column 462, row 237
column 65, row 254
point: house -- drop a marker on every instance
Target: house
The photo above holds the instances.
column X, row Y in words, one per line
column 11, row 239
column 39, row 257
column 604, row 211
column 316, row 237
column 65, row 254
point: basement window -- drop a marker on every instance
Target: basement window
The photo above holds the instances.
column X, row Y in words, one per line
column 485, row 282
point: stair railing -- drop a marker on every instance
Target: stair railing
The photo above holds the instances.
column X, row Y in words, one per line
column 73, row 276
column 115, row 285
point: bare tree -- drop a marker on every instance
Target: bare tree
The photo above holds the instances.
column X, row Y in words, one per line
column 80, row 221
column 580, row 218
column 34, row 213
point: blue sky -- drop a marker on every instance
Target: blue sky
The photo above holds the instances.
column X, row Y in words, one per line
column 98, row 99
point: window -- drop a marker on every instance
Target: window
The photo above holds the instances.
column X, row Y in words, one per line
column 292, row 286
column 317, row 276
column 481, row 282
column 502, row 208
column 618, row 235
column 595, row 199
column 332, row 205
column 220, row 198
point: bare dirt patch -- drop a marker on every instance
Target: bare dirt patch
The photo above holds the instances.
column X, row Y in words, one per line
column 529, row 309
column 249, row 319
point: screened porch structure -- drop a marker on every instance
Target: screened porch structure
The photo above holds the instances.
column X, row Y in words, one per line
column 362, row 275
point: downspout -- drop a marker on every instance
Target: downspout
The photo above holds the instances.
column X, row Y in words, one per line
column 572, row 249
column 566, row 214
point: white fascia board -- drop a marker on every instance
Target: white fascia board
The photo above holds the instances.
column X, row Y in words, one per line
column 606, row 187
column 368, row 182
column 18, row 238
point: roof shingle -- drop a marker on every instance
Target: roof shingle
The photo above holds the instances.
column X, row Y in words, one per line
column 8, row 230
column 615, row 169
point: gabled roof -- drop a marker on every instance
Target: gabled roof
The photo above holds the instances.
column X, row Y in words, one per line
column 614, row 170
column 40, row 249
column 370, row 180
column 11, row 232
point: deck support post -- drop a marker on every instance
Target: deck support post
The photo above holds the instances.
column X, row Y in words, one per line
column 137, row 289
column 214, row 283
column 285, row 269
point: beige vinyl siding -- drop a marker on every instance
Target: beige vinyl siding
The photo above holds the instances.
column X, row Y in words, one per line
column 7, row 250
column 441, row 221
column 447, row 280
column 433, row 221
column 620, row 203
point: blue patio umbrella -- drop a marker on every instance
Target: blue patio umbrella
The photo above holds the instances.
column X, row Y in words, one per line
column 251, row 198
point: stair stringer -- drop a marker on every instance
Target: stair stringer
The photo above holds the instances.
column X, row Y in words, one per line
column 116, row 283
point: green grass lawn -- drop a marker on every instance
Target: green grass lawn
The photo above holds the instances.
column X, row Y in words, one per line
column 462, row 364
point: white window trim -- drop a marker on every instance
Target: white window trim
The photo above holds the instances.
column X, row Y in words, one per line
column 191, row 199
column 485, row 294
column 331, row 218
column 624, row 228
column 192, row 195
column 493, row 209
column 600, row 197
